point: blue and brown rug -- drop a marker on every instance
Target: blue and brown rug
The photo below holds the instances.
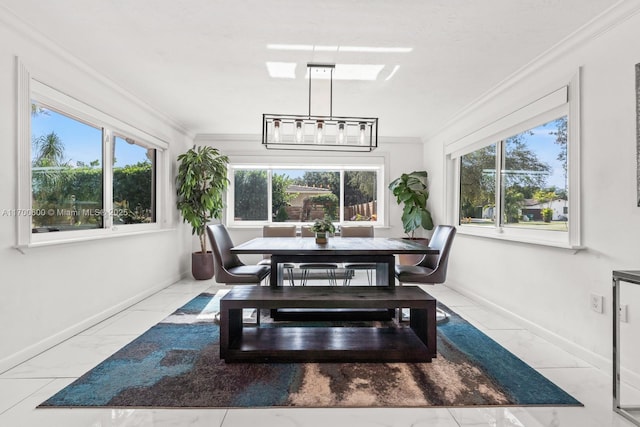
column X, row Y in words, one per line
column 176, row 364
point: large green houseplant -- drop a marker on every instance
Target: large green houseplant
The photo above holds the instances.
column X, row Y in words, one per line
column 411, row 191
column 200, row 185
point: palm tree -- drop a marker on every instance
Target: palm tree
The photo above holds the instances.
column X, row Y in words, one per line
column 49, row 149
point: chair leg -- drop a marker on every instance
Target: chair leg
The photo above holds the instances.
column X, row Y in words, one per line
column 332, row 277
column 347, row 278
column 290, row 273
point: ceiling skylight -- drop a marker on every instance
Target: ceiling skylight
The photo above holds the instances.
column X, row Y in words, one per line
column 370, row 72
column 350, row 72
column 327, row 48
column 375, row 49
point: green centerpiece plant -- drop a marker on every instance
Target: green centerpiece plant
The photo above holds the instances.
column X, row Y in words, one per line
column 200, row 185
column 322, row 228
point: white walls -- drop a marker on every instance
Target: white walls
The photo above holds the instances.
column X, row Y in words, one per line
column 401, row 155
column 49, row 293
column 550, row 287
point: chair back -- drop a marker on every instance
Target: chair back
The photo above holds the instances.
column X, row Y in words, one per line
column 356, row 231
column 278, row 231
column 306, row 231
column 223, row 259
column 441, row 239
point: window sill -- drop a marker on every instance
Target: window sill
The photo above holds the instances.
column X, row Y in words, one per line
column 106, row 234
column 512, row 235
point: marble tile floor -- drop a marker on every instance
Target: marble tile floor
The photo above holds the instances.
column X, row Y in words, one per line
column 30, row 383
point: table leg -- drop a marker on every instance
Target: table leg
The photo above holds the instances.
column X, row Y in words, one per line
column 385, row 270
column 277, row 271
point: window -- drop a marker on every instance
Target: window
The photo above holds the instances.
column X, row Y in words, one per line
column 478, row 186
column 301, row 194
column 66, row 172
column 134, row 196
column 84, row 174
column 518, row 178
column 534, row 178
column 533, row 191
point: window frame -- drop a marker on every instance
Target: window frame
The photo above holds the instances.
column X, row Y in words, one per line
column 29, row 90
column 377, row 164
column 564, row 101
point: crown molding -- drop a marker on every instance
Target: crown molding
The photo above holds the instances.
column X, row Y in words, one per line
column 596, row 27
column 32, row 34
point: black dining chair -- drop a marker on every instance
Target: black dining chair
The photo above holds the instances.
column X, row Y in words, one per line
column 279, row 231
column 432, row 269
column 228, row 268
column 351, row 267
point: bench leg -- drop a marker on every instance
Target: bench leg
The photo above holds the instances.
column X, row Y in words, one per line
column 230, row 328
column 423, row 323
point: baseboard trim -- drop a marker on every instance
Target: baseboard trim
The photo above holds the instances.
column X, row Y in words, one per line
column 588, row 356
column 27, row 353
column 598, row 361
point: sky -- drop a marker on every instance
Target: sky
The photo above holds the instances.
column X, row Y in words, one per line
column 543, row 144
column 82, row 143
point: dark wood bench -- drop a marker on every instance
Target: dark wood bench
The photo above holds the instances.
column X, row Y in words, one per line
column 415, row 342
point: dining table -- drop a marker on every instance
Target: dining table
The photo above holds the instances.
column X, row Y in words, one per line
column 370, row 250
column 378, row 250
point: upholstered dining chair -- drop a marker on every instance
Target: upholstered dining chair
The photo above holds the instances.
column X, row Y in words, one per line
column 329, row 267
column 279, row 231
column 432, row 269
column 350, row 267
column 228, row 268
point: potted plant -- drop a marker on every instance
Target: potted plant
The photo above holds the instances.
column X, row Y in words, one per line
column 411, row 190
column 200, row 184
column 322, row 228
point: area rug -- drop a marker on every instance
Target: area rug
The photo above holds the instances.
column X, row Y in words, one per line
column 176, row 364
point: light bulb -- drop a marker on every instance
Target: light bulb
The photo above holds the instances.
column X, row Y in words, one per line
column 299, row 134
column 319, row 137
column 341, row 133
column 276, row 130
column 363, row 134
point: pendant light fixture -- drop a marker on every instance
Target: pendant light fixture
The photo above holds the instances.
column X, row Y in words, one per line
column 319, row 133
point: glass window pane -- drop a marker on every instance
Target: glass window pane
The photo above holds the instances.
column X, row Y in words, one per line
column 315, row 194
column 283, row 205
column 133, row 182
column 360, row 196
column 66, row 166
column 250, row 195
column 301, row 195
column 478, row 186
column 534, row 178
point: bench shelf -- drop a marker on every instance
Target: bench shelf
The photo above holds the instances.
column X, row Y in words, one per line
column 300, row 343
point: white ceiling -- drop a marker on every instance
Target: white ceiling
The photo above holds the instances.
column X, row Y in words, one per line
column 203, row 62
